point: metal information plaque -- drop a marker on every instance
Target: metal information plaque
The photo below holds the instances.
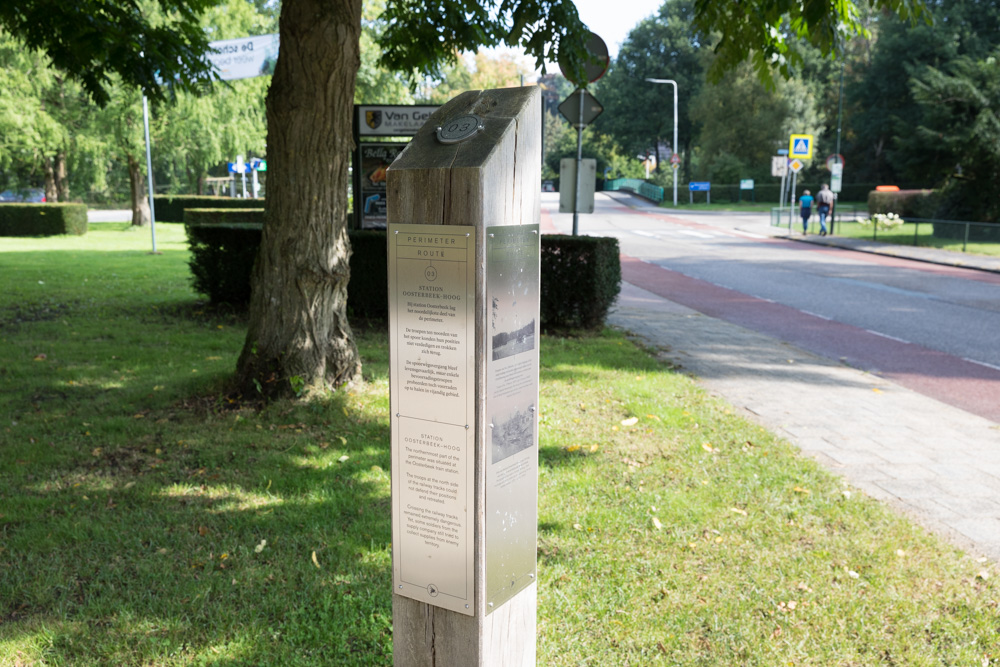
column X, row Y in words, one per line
column 432, row 279
column 512, row 292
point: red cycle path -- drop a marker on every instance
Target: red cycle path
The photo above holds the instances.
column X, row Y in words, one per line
column 964, row 384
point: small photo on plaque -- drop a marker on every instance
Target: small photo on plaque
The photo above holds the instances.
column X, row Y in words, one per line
column 508, row 343
column 512, row 433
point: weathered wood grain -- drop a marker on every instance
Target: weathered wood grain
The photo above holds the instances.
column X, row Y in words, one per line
column 491, row 179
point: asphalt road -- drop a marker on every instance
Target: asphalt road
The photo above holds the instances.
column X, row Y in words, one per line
column 931, row 328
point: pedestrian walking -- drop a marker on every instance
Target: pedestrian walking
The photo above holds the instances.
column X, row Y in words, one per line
column 824, row 204
column 805, row 210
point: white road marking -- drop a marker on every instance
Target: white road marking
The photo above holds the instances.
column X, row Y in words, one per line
column 882, row 335
column 981, row 363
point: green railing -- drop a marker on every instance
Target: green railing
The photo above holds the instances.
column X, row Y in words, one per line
column 637, row 186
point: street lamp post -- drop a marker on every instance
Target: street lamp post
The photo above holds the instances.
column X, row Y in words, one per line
column 674, row 147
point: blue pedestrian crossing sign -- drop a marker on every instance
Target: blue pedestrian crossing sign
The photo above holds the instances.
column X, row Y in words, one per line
column 800, row 145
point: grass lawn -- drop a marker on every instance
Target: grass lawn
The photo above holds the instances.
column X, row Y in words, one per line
column 922, row 235
column 146, row 520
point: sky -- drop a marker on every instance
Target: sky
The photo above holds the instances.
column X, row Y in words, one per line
column 613, row 19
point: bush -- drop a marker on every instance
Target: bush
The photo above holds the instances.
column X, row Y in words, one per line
column 904, row 203
column 223, row 216
column 224, row 245
column 581, row 278
column 368, row 290
column 223, row 251
column 42, row 219
column 170, row 208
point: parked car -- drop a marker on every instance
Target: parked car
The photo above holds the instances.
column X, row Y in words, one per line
column 27, row 195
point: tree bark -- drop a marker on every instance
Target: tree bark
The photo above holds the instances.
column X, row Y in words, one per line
column 62, row 181
column 140, row 207
column 299, row 337
column 51, row 194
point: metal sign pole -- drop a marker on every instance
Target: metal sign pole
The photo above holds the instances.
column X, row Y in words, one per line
column 149, row 172
column 579, row 170
column 791, row 200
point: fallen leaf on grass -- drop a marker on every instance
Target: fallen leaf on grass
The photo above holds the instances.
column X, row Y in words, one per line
column 315, row 561
column 799, row 489
column 631, row 421
column 343, row 458
column 573, row 448
column 657, row 524
column 738, row 510
column 40, row 357
column 260, row 547
column 707, row 446
column 983, row 574
column 203, row 530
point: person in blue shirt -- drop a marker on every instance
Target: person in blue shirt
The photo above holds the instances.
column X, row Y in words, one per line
column 805, row 202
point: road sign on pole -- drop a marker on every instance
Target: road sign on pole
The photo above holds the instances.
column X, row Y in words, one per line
column 779, row 165
column 580, row 113
column 837, row 177
column 801, row 145
column 796, row 165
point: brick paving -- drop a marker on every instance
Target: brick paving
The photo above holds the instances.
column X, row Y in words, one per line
column 936, row 463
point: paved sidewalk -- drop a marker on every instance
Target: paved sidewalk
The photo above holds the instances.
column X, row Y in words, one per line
column 936, row 463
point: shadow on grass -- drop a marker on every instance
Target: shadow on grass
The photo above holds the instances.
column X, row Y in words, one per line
column 263, row 537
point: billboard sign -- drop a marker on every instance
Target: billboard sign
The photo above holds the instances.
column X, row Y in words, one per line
column 244, row 58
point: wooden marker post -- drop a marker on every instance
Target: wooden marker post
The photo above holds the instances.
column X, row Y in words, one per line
column 463, row 244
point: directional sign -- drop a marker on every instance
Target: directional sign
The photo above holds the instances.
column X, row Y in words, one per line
column 699, row 186
column 570, row 108
column 801, row 145
column 779, row 165
column 796, row 165
column 837, row 177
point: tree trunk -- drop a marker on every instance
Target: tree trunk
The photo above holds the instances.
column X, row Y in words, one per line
column 140, row 207
column 62, row 181
column 298, row 336
column 51, row 194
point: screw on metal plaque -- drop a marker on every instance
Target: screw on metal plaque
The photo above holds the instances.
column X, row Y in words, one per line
column 432, row 590
column 459, row 129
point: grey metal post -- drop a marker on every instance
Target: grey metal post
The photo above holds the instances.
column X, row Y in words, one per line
column 579, row 169
column 674, row 147
column 791, row 200
column 149, row 171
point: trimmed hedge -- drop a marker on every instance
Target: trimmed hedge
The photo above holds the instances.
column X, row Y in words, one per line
column 223, row 251
column 581, row 278
column 224, row 245
column 580, row 275
column 42, row 219
column 220, row 216
column 170, row 208
column 904, row 203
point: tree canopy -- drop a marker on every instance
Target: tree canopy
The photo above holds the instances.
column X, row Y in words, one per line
column 91, row 40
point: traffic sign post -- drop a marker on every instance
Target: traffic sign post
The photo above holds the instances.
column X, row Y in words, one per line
column 800, row 145
column 796, row 166
column 837, row 178
column 580, row 109
column 700, row 186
